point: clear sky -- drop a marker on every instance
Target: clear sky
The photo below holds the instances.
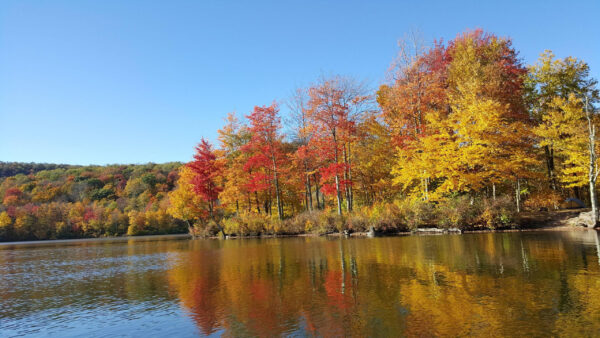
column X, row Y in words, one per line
column 96, row 82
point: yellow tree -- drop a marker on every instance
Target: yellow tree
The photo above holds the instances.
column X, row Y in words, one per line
column 487, row 122
column 569, row 127
column 184, row 204
column 415, row 97
column 374, row 159
column 547, row 79
column 232, row 137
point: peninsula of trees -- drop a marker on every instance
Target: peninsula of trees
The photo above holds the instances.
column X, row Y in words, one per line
column 462, row 135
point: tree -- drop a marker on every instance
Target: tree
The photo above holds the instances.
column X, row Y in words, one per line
column 232, row 137
column 416, row 96
column 184, row 203
column 487, row 120
column 549, row 78
column 207, row 173
column 334, row 107
column 569, row 126
column 304, row 154
column 265, row 147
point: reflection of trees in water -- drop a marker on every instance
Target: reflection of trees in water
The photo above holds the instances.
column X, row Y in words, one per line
column 486, row 284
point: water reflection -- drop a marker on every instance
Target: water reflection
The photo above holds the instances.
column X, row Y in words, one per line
column 492, row 284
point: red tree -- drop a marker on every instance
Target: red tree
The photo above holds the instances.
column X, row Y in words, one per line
column 266, row 154
column 207, row 172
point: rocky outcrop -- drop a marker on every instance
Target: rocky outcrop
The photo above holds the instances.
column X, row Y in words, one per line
column 583, row 219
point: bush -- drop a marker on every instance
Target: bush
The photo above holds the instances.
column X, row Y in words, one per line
column 303, row 222
column 498, row 213
column 546, row 199
column 247, row 224
column 458, row 212
column 415, row 213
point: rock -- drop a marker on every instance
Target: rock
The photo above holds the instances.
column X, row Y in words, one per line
column 584, row 219
column 371, row 232
column 430, row 230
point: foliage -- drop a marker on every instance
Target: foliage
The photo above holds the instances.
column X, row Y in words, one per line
column 92, row 201
column 463, row 135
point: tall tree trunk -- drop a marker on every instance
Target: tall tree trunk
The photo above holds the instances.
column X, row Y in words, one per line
column 351, row 194
column 337, row 178
column 549, row 153
column 317, row 192
column 338, row 194
column 346, row 187
column 593, row 170
column 494, row 191
column 277, row 191
column 518, row 194
column 309, row 193
column 257, row 202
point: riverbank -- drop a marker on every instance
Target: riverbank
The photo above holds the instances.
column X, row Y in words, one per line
column 560, row 220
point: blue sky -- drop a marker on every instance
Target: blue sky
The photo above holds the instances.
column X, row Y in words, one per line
column 96, row 82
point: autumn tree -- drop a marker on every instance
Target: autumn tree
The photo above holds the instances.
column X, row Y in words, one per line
column 487, row 116
column 265, row 149
column 305, row 154
column 569, row 127
column 334, row 107
column 548, row 79
column 415, row 96
column 207, row 174
column 232, row 138
column 184, row 203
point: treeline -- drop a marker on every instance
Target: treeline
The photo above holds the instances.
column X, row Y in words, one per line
column 86, row 201
column 14, row 168
column 462, row 135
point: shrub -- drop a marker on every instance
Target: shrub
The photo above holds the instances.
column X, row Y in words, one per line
column 546, row 199
column 458, row 212
column 415, row 213
column 498, row 213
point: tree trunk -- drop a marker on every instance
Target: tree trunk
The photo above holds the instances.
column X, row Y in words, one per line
column 350, row 192
column 494, row 191
column 518, row 194
column 257, row 202
column 277, row 191
column 309, row 193
column 549, row 152
column 337, row 177
column 338, row 194
column 593, row 171
column 317, row 192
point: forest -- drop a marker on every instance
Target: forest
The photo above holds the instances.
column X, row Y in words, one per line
column 461, row 135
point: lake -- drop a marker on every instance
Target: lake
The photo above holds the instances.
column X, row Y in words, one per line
column 536, row 283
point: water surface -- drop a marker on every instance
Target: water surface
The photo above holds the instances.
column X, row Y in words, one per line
column 490, row 284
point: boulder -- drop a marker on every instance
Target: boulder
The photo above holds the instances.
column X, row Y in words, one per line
column 371, row 232
column 584, row 219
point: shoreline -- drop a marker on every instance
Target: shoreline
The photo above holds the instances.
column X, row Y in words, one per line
column 553, row 221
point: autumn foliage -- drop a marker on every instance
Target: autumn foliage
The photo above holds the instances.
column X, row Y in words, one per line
column 462, row 134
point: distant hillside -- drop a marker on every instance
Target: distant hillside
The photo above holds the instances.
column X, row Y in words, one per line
column 14, row 168
column 47, row 201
